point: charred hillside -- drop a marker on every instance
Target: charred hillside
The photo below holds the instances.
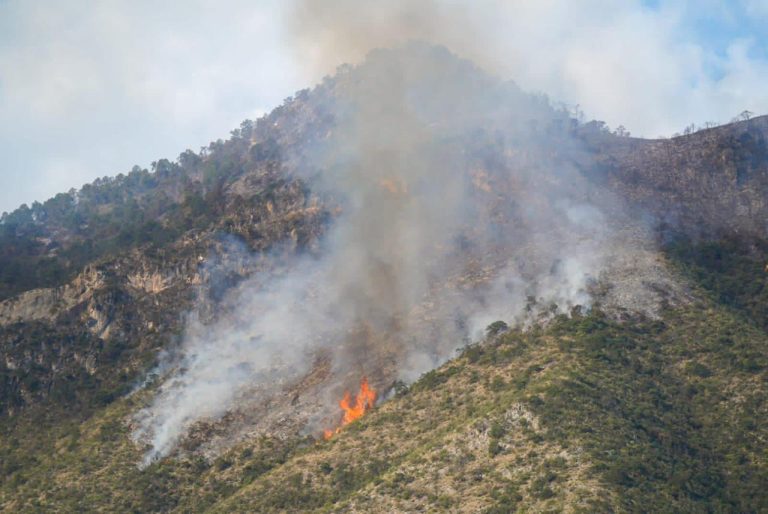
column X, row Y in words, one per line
column 179, row 338
column 710, row 183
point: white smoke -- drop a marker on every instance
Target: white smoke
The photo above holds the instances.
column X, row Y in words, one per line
column 435, row 240
column 265, row 328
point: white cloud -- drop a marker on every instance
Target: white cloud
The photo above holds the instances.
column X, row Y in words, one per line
column 104, row 85
column 101, row 86
column 627, row 64
column 758, row 8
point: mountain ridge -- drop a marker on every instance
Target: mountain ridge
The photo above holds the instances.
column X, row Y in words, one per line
column 128, row 259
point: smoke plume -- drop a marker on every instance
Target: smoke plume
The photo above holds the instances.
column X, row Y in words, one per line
column 456, row 209
column 327, row 34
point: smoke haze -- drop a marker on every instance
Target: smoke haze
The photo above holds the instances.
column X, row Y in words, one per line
column 327, row 34
column 455, row 209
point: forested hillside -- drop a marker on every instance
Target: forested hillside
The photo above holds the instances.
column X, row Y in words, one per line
column 638, row 385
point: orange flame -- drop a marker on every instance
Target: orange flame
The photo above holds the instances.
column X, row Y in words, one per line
column 364, row 401
column 395, row 186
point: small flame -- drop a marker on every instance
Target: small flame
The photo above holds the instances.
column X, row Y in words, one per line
column 364, row 401
column 395, row 186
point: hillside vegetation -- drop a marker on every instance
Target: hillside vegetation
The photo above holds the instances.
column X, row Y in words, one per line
column 585, row 415
column 595, row 410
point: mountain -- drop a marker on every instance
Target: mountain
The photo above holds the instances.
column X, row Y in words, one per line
column 554, row 317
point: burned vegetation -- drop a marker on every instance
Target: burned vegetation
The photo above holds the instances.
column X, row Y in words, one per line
column 414, row 287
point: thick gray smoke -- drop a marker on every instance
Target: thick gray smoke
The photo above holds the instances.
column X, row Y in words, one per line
column 455, row 212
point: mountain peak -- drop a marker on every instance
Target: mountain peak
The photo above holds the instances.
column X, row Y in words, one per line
column 492, row 275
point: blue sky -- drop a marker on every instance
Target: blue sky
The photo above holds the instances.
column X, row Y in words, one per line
column 719, row 24
column 90, row 88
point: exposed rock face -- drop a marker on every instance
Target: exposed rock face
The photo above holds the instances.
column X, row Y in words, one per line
column 47, row 304
column 119, row 311
column 150, row 282
column 237, row 212
column 111, row 320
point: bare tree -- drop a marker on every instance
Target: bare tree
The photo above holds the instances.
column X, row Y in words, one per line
column 577, row 114
column 621, row 131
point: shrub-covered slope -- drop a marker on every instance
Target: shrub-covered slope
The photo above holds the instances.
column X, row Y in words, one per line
column 585, row 415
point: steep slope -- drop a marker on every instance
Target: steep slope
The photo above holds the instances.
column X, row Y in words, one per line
column 587, row 415
column 708, row 183
column 652, row 400
column 109, row 273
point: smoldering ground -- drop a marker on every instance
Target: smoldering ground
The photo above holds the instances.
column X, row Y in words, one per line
column 458, row 206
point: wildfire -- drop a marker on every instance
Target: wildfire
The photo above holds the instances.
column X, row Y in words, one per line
column 395, row 186
column 363, row 402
